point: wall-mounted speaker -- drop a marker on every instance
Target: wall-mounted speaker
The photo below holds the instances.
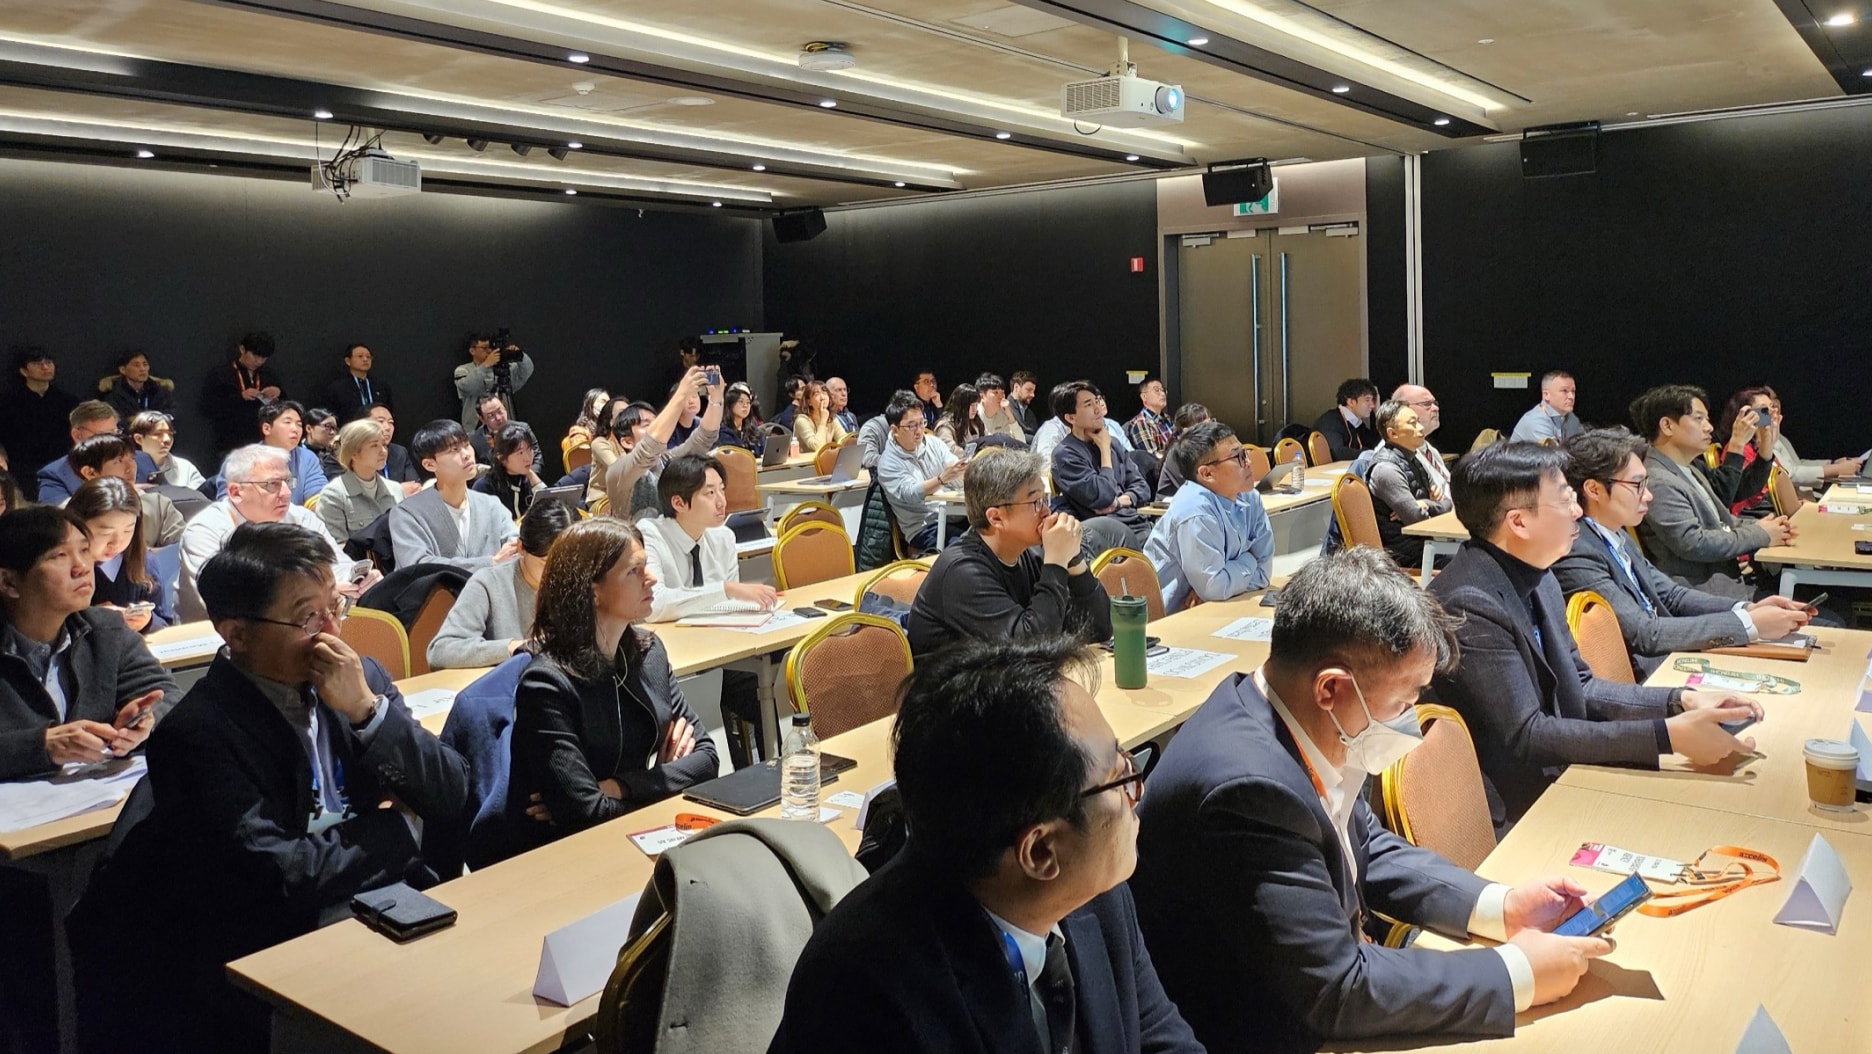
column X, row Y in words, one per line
column 1560, row 150
column 1231, row 186
column 801, row 226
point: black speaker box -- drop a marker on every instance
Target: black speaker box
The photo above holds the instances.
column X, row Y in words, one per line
column 799, row 226
column 1232, row 186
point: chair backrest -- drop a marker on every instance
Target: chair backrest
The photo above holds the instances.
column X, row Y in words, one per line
column 578, row 457
column 811, row 552
column 810, row 512
column 1352, row 508
column 311, row 501
column 846, row 672
column 1127, row 570
column 740, row 472
column 427, row 623
column 825, row 458
column 165, row 565
column 630, row 1010
column 379, row 635
column 1713, row 456
column 899, row 581
column 1486, row 437
column 1258, row 464
column 1596, row 633
column 1637, row 542
column 1433, row 796
column 1782, row 493
column 1286, row 449
column 1318, row 450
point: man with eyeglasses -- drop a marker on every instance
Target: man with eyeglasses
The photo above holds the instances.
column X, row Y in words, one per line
column 1403, row 490
column 1214, row 542
column 913, row 466
column 1532, row 704
column 1004, row 923
column 1606, row 468
column 1688, row 531
column 289, row 779
column 1430, row 416
column 1021, row 572
column 1260, row 865
column 259, row 490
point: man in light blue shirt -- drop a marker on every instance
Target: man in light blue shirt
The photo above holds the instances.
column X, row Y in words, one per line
column 1215, row 541
column 1552, row 418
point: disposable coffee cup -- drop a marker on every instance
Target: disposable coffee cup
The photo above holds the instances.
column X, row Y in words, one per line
column 1831, row 767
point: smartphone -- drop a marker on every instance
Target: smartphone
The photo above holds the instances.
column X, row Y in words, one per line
column 360, row 570
column 1617, row 903
column 809, row 613
column 713, row 373
column 1735, row 728
column 1813, row 606
column 1270, row 598
column 1863, row 548
column 832, row 605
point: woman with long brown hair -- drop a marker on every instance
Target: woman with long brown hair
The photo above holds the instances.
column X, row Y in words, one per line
column 112, row 512
column 600, row 726
column 816, row 426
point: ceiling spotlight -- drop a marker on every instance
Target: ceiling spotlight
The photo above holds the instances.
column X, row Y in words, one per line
column 1131, row 157
column 579, row 57
column 557, row 153
column 575, row 145
column 145, row 154
column 715, row 204
column 1486, row 40
column 523, row 149
column 830, row 104
column 825, row 56
column 1867, row 73
column 1440, row 122
column 432, row 139
column 322, row 114
column 760, row 168
column 899, row 183
column 1341, row 89
column 1197, row 42
column 1844, row 18
column 572, row 190
column 477, row 145
column 1004, row 135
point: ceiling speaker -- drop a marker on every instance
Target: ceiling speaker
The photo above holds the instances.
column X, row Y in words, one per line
column 1232, row 186
column 801, row 226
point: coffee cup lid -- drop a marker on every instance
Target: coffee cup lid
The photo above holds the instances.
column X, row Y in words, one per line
column 1833, row 751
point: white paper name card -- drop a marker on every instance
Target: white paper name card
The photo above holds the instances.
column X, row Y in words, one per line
column 864, row 807
column 1863, row 744
column 1762, row 1036
column 176, row 649
column 1819, row 893
column 577, row 959
column 1248, row 627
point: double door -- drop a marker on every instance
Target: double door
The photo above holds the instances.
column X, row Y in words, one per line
column 1269, row 324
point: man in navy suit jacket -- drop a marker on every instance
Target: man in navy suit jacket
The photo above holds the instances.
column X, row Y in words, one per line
column 1259, row 863
column 1004, row 924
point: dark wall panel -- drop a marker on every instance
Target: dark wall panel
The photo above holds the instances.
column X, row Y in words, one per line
column 96, row 259
column 1037, row 280
column 1387, row 342
column 1717, row 253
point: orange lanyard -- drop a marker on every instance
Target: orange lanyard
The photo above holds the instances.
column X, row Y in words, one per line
column 1709, row 885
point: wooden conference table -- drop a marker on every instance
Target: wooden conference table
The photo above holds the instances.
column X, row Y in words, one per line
column 1442, row 534
column 469, row 987
column 1822, row 551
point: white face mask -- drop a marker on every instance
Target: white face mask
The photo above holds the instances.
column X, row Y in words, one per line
column 1382, row 743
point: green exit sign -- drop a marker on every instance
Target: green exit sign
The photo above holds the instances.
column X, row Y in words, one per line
column 1269, row 204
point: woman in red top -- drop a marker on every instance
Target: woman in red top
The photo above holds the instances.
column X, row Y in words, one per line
column 1748, row 423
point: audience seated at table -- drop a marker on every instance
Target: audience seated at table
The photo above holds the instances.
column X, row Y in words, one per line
column 1022, row 385
column 76, row 683
column 1688, row 531
column 1214, row 542
column 1808, row 475
column 630, row 482
column 512, row 478
column 741, row 421
column 1094, row 478
column 112, row 513
column 1748, row 422
column 929, row 398
column 1170, row 476
column 353, row 500
column 1657, row 616
column 997, row 416
column 1403, row 490
column 841, row 403
column 321, row 438
column 257, row 492
column 600, row 725
column 875, row 434
column 1056, row 428
column 913, row 466
column 815, row 426
column 153, row 434
column 263, row 812
column 282, row 427
column 960, row 423
column 1020, row 572
column 1532, row 704
column 1430, row 417
column 493, row 419
column 449, row 523
column 622, row 422
column 1348, row 425
column 109, row 457
column 792, row 399
column 58, row 478
column 1260, row 863
column 1150, row 430
column 399, row 466
column 1552, row 419
column 586, row 426
column 1004, row 923
column 493, row 614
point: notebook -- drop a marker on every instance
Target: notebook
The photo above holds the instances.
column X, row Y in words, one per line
column 749, row 790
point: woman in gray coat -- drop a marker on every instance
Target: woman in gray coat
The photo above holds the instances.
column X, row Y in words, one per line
column 354, row 499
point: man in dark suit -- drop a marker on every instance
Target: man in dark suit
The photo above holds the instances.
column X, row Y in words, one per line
column 349, row 396
column 1004, row 924
column 1347, row 426
column 1657, row 616
column 264, row 811
column 1532, row 704
column 1259, row 863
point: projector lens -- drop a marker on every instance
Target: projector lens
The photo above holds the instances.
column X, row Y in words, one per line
column 1169, row 100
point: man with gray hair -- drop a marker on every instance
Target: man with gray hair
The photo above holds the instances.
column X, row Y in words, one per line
column 992, row 583
column 1430, row 415
column 259, row 490
column 1259, row 860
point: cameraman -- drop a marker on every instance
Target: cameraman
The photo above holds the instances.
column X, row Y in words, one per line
column 497, row 367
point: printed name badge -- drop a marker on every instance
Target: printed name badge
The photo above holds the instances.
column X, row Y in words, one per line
column 1601, row 857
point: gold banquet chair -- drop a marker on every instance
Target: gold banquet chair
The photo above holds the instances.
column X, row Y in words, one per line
column 1597, row 634
column 1127, row 570
column 811, row 552
column 846, row 672
column 1433, row 797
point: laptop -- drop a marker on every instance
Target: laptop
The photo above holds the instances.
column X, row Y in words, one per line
column 1284, row 471
column 749, row 526
column 777, row 448
column 845, row 469
column 573, row 495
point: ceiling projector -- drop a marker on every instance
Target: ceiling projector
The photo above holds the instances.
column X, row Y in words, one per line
column 369, row 173
column 1122, row 100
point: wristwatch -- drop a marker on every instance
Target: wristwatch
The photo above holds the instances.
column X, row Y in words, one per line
column 376, row 705
column 1676, row 701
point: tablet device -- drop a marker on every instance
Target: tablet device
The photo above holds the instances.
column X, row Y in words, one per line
column 747, row 791
column 748, row 525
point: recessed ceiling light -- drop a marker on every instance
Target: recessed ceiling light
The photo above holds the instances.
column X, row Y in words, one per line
column 1844, row 18
column 715, row 204
column 829, row 104
column 1867, row 73
column 571, row 190
column 1440, row 122
column 1634, row 113
column 1004, row 135
column 579, row 57
column 693, row 100
column 575, row 145
column 760, row 168
column 146, row 155
column 322, row 114
column 899, row 183
column 1341, row 89
column 1131, row 157
column 1197, row 42
column 1486, row 40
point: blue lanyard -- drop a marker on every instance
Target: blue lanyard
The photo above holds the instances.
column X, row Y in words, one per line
column 1619, row 558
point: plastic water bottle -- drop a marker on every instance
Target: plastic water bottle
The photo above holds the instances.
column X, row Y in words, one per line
column 799, row 772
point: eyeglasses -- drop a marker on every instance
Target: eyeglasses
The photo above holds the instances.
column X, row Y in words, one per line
column 911, row 424
column 1424, row 404
column 1637, row 485
column 1039, row 505
column 1568, row 502
column 271, row 486
column 316, row 621
column 1132, row 782
column 1240, row 457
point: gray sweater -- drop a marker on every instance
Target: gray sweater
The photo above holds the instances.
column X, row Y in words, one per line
column 423, row 531
column 496, row 606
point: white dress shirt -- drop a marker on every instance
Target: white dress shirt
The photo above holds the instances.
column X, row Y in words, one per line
column 1032, row 948
column 208, row 532
column 667, row 547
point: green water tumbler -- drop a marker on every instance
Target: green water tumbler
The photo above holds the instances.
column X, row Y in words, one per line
column 1128, row 618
